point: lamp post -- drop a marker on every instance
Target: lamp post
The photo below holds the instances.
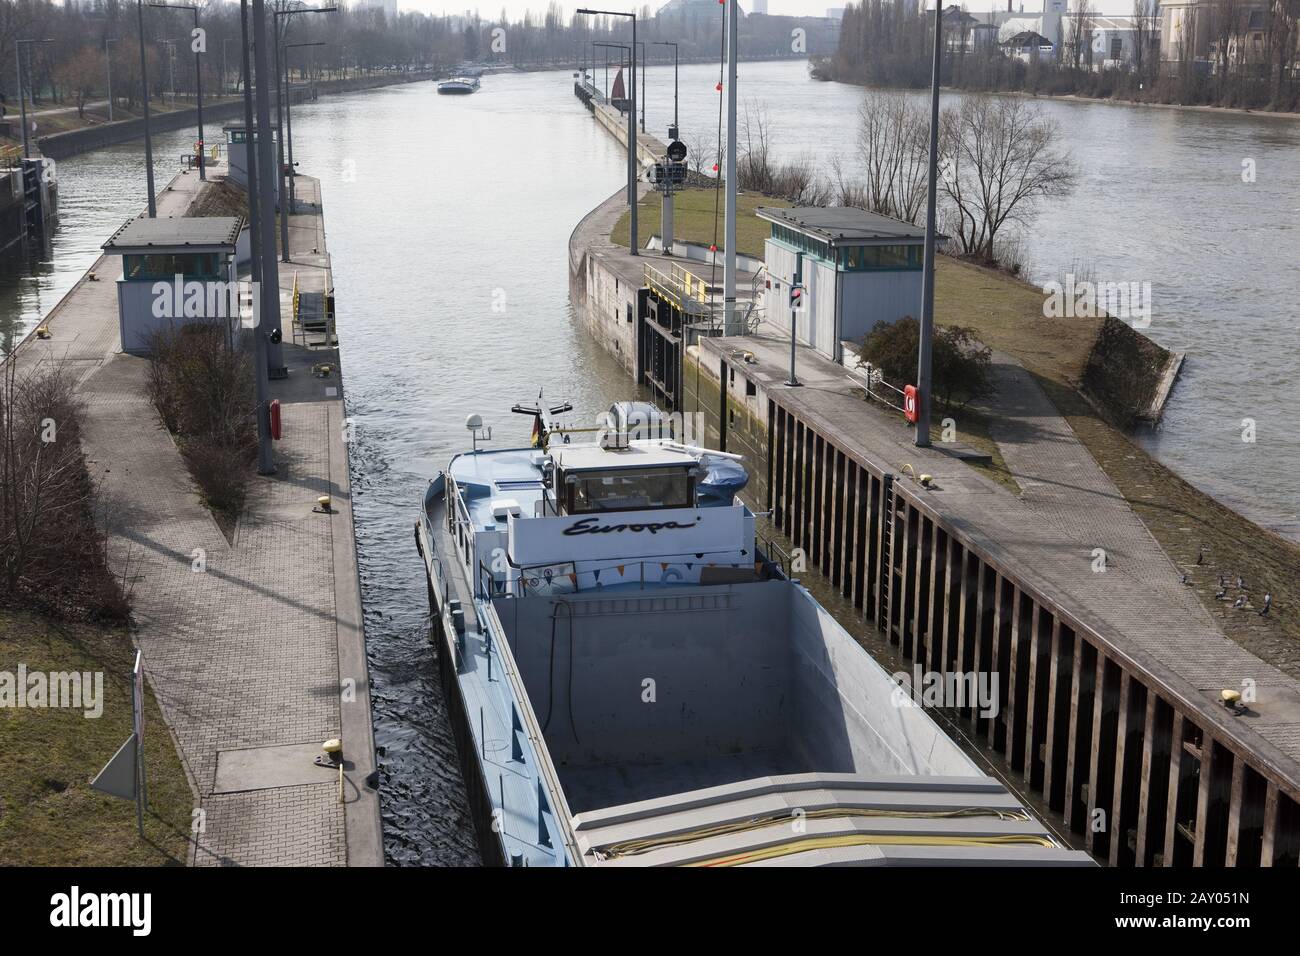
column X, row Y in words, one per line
column 224, row 72
column 288, row 122
column 276, row 40
column 266, row 194
column 674, row 46
column 198, row 79
column 641, row 46
column 22, row 103
column 631, row 124
column 730, row 324
column 924, row 348
column 144, row 86
column 108, row 69
column 265, row 460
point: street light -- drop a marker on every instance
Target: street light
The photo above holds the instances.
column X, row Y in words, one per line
column 198, row 78
column 256, row 232
column 108, row 68
column 631, row 123
column 288, row 122
column 22, row 103
column 924, row 348
column 144, row 86
column 674, row 46
column 276, row 41
column 224, row 72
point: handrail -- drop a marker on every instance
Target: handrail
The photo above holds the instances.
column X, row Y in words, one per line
column 684, row 289
column 873, row 377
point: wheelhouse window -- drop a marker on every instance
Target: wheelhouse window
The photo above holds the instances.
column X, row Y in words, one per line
column 628, row 489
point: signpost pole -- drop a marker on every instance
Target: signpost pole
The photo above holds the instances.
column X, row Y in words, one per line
column 137, row 723
column 798, row 281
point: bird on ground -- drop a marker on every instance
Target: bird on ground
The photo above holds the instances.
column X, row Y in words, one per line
column 1200, row 555
column 1220, row 594
column 1241, row 584
column 1184, row 580
column 1268, row 604
column 1240, row 602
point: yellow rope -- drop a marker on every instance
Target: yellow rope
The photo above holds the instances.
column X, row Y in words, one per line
column 634, row 847
column 868, row 839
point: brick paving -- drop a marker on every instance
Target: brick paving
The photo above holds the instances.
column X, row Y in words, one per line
column 245, row 653
column 1047, row 535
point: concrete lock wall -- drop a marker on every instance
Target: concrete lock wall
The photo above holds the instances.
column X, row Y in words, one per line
column 607, row 307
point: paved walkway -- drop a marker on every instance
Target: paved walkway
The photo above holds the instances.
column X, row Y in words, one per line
column 1068, row 508
column 264, row 646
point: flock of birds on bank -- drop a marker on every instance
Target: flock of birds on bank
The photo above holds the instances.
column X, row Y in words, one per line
column 1222, row 594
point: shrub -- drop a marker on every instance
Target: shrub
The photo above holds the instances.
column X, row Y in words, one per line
column 52, row 555
column 959, row 361
column 202, row 385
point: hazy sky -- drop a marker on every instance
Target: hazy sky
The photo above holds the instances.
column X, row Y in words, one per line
column 515, row 8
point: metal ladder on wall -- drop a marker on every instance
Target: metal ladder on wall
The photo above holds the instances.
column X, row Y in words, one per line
column 886, row 557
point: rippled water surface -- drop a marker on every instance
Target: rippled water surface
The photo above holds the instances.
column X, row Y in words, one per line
column 448, row 220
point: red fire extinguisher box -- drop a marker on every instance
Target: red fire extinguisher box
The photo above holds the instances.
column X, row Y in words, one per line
column 911, row 408
column 275, row 419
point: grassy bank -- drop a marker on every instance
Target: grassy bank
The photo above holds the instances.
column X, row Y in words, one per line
column 67, row 119
column 1008, row 316
column 693, row 217
column 49, row 816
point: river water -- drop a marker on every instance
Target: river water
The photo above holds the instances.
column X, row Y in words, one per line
column 448, row 220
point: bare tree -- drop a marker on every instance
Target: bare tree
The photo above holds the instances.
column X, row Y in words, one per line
column 1144, row 13
column 893, row 143
column 45, row 490
column 1079, row 42
column 754, row 166
column 1227, row 13
column 999, row 160
column 1283, row 17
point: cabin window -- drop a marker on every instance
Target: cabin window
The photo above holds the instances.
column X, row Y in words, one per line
column 629, row 489
column 168, row 266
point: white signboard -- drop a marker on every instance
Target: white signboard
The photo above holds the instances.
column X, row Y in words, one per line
column 627, row 535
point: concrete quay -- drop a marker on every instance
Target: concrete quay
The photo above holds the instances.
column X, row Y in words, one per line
column 254, row 646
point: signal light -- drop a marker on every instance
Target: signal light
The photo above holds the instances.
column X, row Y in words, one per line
column 796, row 297
column 718, row 87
